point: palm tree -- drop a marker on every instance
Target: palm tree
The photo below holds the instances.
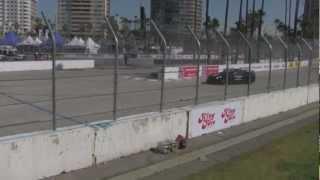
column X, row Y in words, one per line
column 38, row 25
column 125, row 25
column 296, row 17
column 114, row 23
column 281, row 26
column 248, row 25
column 253, row 17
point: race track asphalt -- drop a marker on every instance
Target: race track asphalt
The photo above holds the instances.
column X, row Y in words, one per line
column 87, row 95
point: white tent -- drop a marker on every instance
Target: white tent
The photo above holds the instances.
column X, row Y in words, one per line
column 37, row 41
column 76, row 42
column 81, row 41
column 92, row 46
column 28, row 41
column 46, row 35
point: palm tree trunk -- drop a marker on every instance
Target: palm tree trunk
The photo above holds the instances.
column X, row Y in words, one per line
column 226, row 18
column 240, row 15
column 289, row 23
column 296, row 17
column 286, row 14
column 247, row 16
column 260, row 29
column 239, row 29
column 261, row 18
column 253, row 17
column 207, row 31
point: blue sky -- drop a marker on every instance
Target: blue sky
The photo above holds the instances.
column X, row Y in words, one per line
column 130, row 8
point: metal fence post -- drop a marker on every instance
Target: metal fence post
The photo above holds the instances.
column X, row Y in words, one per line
column 115, row 74
column 198, row 43
column 269, row 45
column 53, row 70
column 164, row 44
column 310, row 59
column 285, row 46
column 299, row 61
column 249, row 60
column 225, row 41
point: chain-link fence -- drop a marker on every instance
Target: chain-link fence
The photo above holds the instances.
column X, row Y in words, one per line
column 131, row 75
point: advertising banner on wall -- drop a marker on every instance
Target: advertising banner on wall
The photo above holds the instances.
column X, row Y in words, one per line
column 264, row 67
column 208, row 119
column 210, row 70
column 189, row 72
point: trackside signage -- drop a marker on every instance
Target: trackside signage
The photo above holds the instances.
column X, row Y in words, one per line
column 189, row 72
column 207, row 119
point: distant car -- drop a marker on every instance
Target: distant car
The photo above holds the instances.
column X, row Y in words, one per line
column 236, row 76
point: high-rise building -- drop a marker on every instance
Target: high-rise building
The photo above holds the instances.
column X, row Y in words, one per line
column 82, row 17
column 311, row 18
column 18, row 15
column 172, row 16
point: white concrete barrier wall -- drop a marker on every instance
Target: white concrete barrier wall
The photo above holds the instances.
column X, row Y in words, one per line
column 76, row 64
column 206, row 118
column 263, row 105
column 45, row 65
column 171, row 73
column 313, row 93
column 39, row 155
column 138, row 133
column 43, row 154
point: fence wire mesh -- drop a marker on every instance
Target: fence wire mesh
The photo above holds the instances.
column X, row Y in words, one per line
column 85, row 95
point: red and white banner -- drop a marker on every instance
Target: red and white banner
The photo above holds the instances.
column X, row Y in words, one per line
column 208, row 119
column 189, row 72
column 210, row 70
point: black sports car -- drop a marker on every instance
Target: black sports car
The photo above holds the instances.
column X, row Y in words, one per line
column 235, row 76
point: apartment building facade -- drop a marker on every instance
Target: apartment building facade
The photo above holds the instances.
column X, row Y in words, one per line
column 82, row 17
column 18, row 15
column 173, row 16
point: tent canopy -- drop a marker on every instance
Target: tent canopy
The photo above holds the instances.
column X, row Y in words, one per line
column 76, row 42
column 92, row 46
column 10, row 39
column 28, row 41
column 37, row 41
column 58, row 38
